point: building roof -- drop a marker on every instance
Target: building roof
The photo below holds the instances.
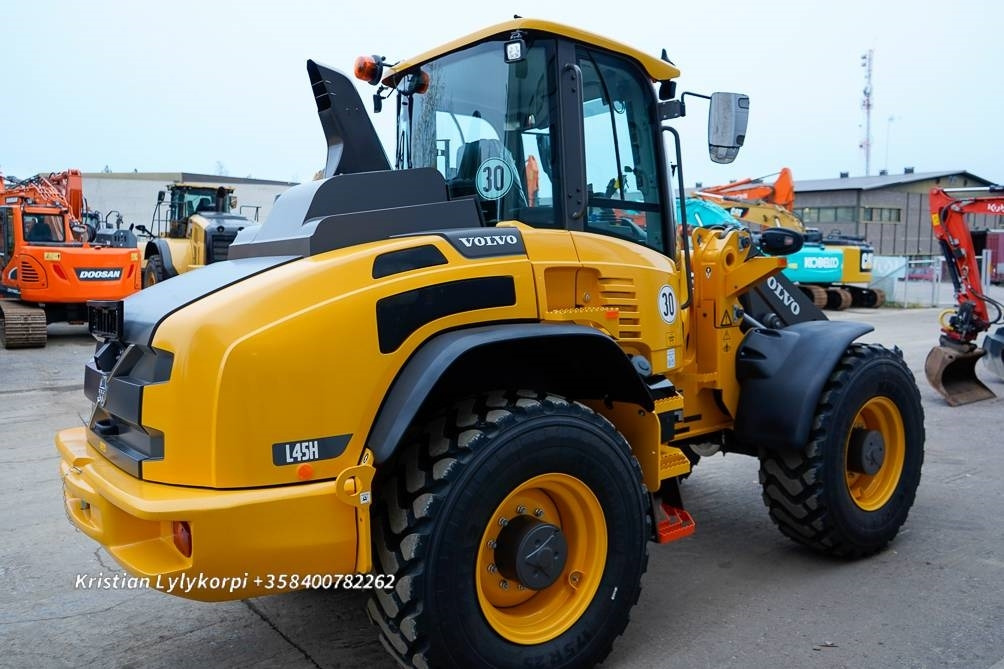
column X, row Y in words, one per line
column 187, row 177
column 880, row 181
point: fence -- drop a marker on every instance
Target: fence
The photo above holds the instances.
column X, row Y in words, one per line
column 921, row 282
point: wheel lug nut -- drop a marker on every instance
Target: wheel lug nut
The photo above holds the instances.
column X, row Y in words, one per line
column 538, row 512
column 520, row 509
column 492, row 544
column 504, row 584
column 503, row 522
column 521, row 587
column 492, row 568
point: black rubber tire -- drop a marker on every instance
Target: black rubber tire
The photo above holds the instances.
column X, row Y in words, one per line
column 431, row 510
column 154, row 271
column 806, row 491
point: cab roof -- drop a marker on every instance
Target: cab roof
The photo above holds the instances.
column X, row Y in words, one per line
column 192, row 184
column 657, row 69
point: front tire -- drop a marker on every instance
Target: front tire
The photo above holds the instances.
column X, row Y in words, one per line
column 492, row 472
column 851, row 488
column 154, row 271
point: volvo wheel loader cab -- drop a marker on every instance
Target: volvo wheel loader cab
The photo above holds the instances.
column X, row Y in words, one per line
column 192, row 225
column 477, row 386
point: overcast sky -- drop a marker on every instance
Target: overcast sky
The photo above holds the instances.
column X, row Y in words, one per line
column 221, row 86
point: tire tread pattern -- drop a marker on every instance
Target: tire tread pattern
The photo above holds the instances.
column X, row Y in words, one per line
column 792, row 482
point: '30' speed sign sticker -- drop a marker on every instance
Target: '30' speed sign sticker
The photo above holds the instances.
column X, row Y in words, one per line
column 668, row 306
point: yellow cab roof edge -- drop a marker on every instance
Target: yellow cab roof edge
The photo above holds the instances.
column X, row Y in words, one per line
column 657, row 69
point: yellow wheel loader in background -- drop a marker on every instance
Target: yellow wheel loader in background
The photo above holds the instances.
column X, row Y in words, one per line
column 195, row 229
column 473, row 381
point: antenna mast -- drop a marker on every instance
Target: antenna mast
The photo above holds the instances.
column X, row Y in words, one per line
column 866, row 104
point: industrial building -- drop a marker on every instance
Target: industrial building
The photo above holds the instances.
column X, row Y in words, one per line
column 134, row 194
column 889, row 210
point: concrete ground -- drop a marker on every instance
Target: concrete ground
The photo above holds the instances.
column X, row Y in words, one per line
column 736, row 594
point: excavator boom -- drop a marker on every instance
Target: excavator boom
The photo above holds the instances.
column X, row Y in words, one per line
column 951, row 366
column 781, row 192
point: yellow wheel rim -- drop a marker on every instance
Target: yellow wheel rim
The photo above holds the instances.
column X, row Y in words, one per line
column 872, row 491
column 527, row 616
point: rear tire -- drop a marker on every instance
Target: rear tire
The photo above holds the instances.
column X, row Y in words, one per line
column 154, row 271
column 437, row 516
column 818, row 496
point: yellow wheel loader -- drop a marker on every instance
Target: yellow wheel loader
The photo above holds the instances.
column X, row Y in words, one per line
column 195, row 228
column 473, row 382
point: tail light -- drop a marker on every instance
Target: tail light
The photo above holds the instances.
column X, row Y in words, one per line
column 182, row 537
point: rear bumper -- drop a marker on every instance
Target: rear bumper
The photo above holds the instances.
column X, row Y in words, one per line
column 243, row 536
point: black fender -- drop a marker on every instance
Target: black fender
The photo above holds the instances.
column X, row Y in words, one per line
column 781, row 375
column 575, row 361
column 160, row 247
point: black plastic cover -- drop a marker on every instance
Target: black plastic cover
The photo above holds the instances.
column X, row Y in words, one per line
column 781, row 374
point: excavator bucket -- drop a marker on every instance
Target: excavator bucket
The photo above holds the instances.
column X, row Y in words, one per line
column 993, row 344
column 953, row 374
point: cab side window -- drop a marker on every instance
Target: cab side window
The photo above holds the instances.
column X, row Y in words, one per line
column 620, row 145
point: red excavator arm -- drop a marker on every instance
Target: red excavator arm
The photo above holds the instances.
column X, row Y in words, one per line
column 948, row 220
column 950, row 366
column 781, row 192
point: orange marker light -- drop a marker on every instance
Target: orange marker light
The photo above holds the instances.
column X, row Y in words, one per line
column 305, row 472
column 423, row 83
column 369, row 69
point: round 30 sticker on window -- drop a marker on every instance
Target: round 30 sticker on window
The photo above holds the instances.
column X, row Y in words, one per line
column 495, row 178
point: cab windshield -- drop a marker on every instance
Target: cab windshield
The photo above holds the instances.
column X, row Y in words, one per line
column 43, row 227
column 185, row 202
column 486, row 126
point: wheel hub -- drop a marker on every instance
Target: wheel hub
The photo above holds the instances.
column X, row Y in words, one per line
column 865, row 451
column 531, row 552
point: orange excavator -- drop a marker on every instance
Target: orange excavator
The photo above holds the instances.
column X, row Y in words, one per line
column 951, row 366
column 48, row 267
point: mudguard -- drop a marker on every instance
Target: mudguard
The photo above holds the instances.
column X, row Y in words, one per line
column 571, row 360
column 163, row 249
column 781, row 374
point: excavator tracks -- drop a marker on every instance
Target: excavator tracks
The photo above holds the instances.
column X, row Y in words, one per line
column 815, row 293
column 21, row 325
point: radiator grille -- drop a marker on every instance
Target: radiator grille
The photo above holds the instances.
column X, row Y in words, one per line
column 620, row 294
column 28, row 273
column 219, row 247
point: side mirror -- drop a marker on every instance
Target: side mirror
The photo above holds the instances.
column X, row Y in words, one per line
column 160, row 196
column 780, row 241
column 727, row 119
column 233, row 201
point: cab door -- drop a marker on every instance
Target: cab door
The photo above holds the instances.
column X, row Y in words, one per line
column 621, row 235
